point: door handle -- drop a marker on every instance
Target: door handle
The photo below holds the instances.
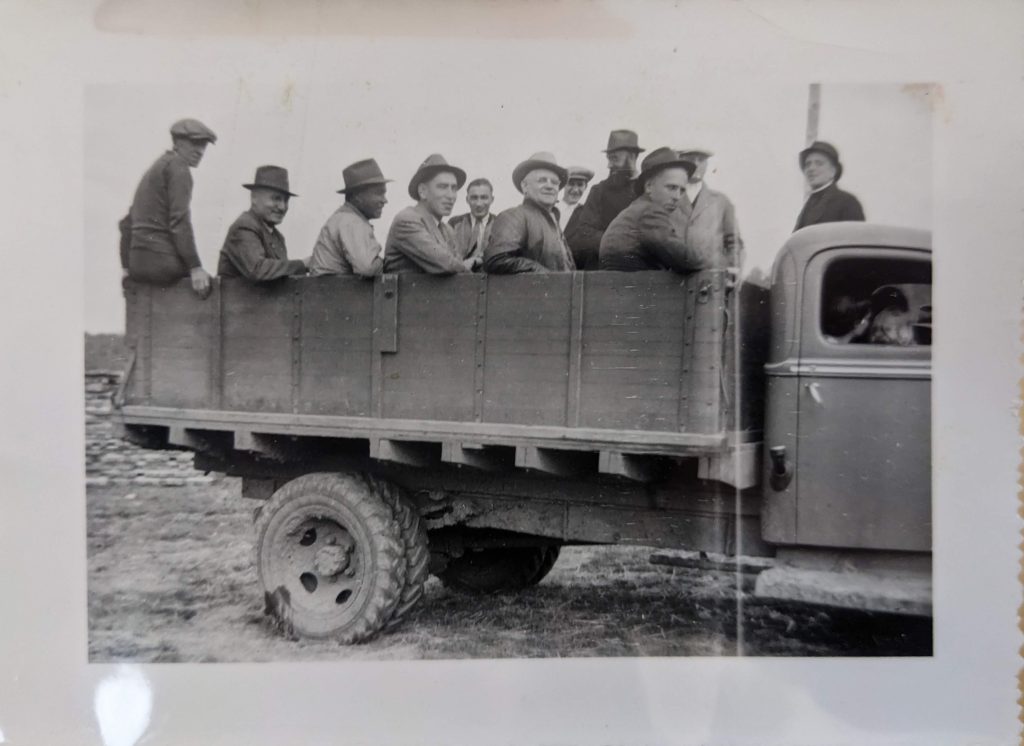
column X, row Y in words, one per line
column 782, row 468
column 814, row 390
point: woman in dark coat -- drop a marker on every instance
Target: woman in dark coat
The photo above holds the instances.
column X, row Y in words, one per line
column 826, row 203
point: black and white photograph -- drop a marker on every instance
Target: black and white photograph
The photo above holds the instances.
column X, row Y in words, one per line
column 567, row 358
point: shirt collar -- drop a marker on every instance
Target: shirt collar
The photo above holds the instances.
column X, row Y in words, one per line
column 823, row 188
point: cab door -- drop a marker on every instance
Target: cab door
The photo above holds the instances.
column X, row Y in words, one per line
column 863, row 455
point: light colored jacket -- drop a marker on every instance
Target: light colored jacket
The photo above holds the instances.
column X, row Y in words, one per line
column 418, row 243
column 711, row 228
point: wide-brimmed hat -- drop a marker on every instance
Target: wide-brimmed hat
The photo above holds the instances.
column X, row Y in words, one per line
column 826, row 149
column 271, row 177
column 701, row 152
column 659, row 160
column 362, row 174
column 579, row 172
column 433, row 165
column 193, row 129
column 544, row 160
column 623, row 140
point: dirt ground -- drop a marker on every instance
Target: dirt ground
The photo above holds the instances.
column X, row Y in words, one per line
column 172, row 578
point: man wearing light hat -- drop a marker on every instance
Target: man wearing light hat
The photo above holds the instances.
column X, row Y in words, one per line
column 346, row 244
column 157, row 242
column 606, row 200
column 710, row 217
column 418, row 240
column 826, row 203
column 651, row 232
column 575, row 186
column 527, row 238
column 254, row 249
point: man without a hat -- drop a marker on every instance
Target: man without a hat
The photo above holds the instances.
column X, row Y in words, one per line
column 346, row 244
column 254, row 248
column 826, row 203
column 606, row 199
column 419, row 239
column 158, row 244
column 527, row 238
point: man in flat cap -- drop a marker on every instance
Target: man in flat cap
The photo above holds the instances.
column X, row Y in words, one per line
column 575, row 186
column 157, row 242
column 473, row 229
column 419, row 241
column 606, row 200
column 651, row 232
column 711, row 226
column 346, row 244
column 254, row 249
column 826, row 203
column 527, row 238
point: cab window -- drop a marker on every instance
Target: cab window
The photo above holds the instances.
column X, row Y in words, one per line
column 877, row 301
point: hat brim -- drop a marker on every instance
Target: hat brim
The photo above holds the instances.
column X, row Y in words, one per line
column 630, row 148
column 429, row 172
column 698, row 153
column 526, row 167
column 689, row 166
column 250, row 187
column 364, row 184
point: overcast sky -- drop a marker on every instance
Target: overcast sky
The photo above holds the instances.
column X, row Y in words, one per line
column 485, row 107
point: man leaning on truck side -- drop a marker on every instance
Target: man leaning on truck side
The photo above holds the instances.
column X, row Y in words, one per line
column 158, row 245
column 418, row 240
column 651, row 232
column 528, row 238
column 346, row 244
column 254, row 248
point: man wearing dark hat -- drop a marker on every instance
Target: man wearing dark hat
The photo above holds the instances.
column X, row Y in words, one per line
column 527, row 238
column 575, row 186
column 606, row 199
column 418, row 240
column 650, row 233
column 346, row 244
column 254, row 249
column 711, row 226
column 826, row 203
column 157, row 242
column 473, row 229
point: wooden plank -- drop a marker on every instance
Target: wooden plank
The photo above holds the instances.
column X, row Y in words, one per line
column 739, row 467
column 296, row 345
column 479, row 350
column 575, row 349
column 216, row 341
column 412, row 453
column 557, row 462
column 376, row 361
column 485, row 458
column 638, row 468
column 386, row 327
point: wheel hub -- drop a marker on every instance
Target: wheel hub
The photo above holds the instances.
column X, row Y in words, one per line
column 332, row 559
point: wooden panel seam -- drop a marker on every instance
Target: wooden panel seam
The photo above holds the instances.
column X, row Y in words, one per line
column 575, row 349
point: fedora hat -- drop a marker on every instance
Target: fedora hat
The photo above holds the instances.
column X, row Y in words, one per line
column 271, row 177
column 362, row 174
column 433, row 165
column 826, row 149
column 538, row 160
column 623, row 140
column 193, row 129
column 659, row 160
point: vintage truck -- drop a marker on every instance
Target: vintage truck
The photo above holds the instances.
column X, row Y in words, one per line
column 470, row 426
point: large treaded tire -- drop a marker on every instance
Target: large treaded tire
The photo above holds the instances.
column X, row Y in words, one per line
column 310, row 528
column 417, row 550
column 498, row 569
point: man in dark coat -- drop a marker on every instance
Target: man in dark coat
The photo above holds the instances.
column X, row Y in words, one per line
column 606, row 200
column 528, row 238
column 157, row 242
column 651, row 232
column 254, row 249
column 826, row 203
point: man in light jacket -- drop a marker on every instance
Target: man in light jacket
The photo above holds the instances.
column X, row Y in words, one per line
column 711, row 226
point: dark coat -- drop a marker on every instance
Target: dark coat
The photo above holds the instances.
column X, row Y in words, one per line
column 647, row 236
column 527, row 238
column 605, row 201
column 256, row 251
column 830, row 205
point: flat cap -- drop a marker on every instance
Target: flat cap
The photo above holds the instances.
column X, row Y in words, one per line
column 193, row 129
column 580, row 172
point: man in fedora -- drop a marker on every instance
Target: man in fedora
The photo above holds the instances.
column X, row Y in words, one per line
column 710, row 217
column 157, row 242
column 651, row 232
column 576, row 184
column 527, row 238
column 346, row 244
column 254, row 249
column 473, row 229
column 826, row 203
column 606, row 200
column 418, row 240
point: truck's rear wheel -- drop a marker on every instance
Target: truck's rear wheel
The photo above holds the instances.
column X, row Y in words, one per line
column 497, row 569
column 417, row 551
column 330, row 557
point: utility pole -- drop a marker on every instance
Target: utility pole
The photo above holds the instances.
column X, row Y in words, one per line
column 813, row 113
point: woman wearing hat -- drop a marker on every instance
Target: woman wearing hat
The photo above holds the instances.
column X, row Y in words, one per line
column 827, row 203
column 649, row 233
